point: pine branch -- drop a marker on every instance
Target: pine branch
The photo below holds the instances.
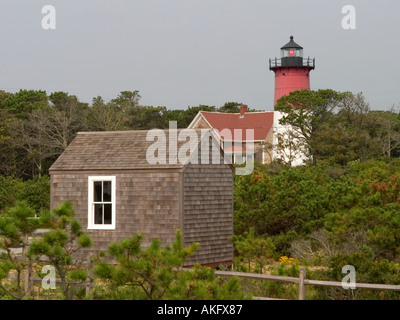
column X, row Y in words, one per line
column 9, row 293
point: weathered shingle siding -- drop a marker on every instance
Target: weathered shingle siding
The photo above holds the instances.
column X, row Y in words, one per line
column 146, row 201
column 201, row 124
column 208, row 212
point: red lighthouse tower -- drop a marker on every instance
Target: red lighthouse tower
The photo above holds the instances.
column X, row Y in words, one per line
column 292, row 71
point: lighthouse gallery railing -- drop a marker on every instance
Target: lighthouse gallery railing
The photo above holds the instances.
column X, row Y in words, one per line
column 307, row 62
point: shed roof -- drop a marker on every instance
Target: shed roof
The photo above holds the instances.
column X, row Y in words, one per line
column 117, row 150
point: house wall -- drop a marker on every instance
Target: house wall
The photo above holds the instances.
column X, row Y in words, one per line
column 264, row 149
column 208, row 212
column 261, row 156
column 146, row 201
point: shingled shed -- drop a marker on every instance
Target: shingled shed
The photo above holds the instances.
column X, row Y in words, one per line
column 118, row 189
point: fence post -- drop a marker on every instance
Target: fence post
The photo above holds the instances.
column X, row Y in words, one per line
column 28, row 280
column 302, row 287
column 89, row 284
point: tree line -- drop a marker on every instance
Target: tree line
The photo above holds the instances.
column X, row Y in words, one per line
column 36, row 127
column 330, row 126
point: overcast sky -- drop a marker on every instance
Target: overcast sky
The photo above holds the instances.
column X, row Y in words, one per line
column 181, row 53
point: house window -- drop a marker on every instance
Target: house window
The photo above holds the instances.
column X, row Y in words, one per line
column 240, row 158
column 101, row 203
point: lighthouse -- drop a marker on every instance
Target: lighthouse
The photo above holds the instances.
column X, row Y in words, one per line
column 292, row 71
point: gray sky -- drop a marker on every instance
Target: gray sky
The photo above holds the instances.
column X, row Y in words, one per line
column 181, row 53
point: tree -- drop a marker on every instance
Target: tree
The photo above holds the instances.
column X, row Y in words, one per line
column 60, row 243
column 32, row 143
column 328, row 123
column 289, row 147
column 64, row 120
column 354, row 113
column 386, row 131
column 44, row 133
column 8, row 154
column 35, row 193
column 230, row 107
column 336, row 143
column 150, row 269
column 155, row 273
column 25, row 101
column 147, row 117
column 176, row 115
column 103, row 116
column 126, row 100
column 305, row 111
column 253, row 249
column 4, row 96
column 17, row 225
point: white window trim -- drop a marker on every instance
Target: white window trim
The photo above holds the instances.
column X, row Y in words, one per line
column 91, row 224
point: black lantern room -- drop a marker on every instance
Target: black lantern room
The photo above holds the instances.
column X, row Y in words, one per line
column 292, row 56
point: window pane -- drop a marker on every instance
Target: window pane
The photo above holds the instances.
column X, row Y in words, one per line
column 98, row 214
column 97, row 191
column 107, row 214
column 107, row 191
column 239, row 158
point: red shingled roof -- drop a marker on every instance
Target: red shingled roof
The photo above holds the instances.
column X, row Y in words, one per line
column 261, row 122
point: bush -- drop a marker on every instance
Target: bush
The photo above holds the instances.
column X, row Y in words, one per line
column 35, row 192
column 9, row 190
column 328, row 217
column 292, row 204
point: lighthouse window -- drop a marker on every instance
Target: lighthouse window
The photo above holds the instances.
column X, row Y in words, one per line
column 291, row 53
column 288, row 53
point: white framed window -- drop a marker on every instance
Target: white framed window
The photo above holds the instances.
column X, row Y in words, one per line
column 240, row 158
column 101, row 202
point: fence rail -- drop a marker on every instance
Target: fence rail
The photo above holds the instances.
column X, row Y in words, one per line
column 303, row 282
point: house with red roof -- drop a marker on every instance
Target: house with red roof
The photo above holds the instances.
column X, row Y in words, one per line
column 244, row 136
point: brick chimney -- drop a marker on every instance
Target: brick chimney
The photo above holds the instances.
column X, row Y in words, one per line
column 243, row 109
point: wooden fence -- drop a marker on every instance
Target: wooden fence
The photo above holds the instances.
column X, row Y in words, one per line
column 302, row 281
column 29, row 280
